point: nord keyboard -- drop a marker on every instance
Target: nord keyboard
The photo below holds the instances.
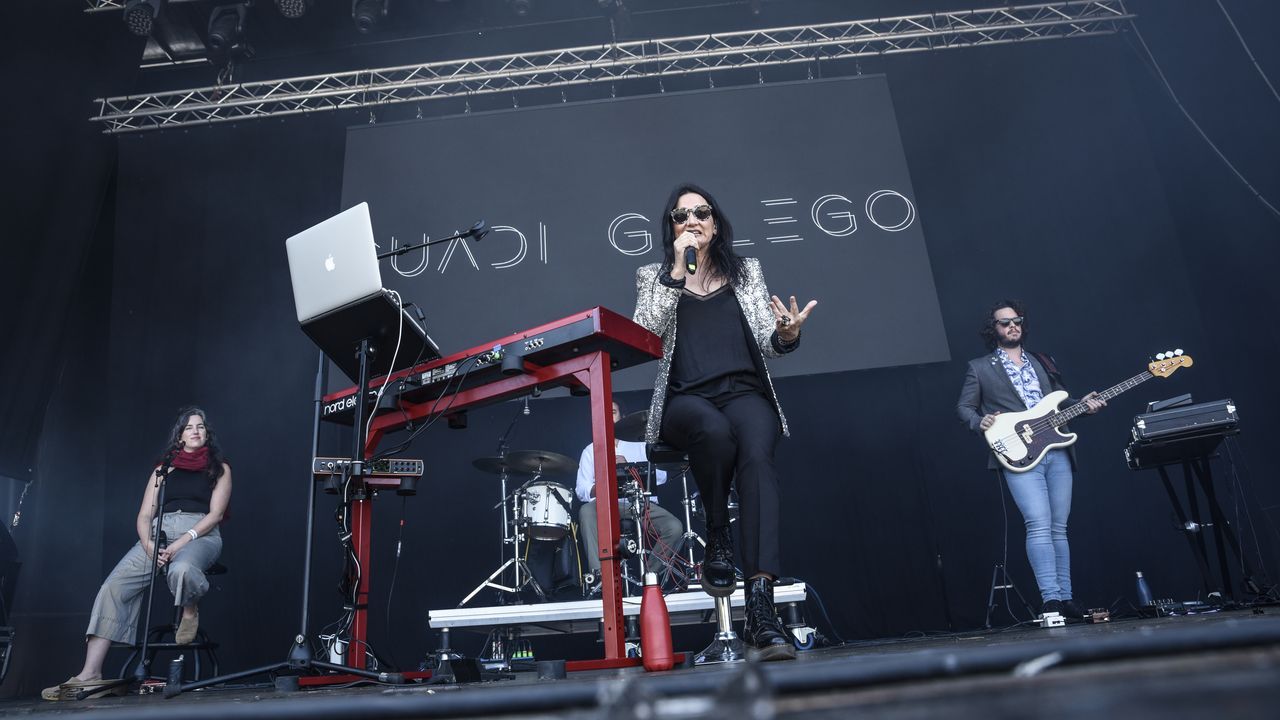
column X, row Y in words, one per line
column 589, row 331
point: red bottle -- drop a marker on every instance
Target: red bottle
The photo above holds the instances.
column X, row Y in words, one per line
column 655, row 627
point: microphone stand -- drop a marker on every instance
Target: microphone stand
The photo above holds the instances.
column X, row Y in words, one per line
column 477, row 231
column 142, row 670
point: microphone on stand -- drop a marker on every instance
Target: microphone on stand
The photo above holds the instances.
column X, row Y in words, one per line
column 690, row 260
column 167, row 463
column 479, row 230
column 526, row 404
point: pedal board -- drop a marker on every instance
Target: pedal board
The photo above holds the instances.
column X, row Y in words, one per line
column 1097, row 615
column 385, row 467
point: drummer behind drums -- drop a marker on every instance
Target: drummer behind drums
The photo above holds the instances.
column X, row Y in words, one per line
column 670, row 531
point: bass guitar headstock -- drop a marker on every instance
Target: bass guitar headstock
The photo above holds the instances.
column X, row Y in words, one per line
column 1168, row 361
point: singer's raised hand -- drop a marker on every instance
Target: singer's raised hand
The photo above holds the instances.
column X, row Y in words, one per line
column 789, row 319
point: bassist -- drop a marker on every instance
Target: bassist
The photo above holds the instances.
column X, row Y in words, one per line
column 1010, row 379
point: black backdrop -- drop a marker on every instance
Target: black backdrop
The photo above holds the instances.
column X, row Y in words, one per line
column 575, row 193
column 1056, row 172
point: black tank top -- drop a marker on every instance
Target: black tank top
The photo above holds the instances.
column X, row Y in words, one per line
column 713, row 354
column 188, row 491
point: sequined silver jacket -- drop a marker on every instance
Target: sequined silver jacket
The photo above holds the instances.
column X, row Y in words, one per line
column 656, row 311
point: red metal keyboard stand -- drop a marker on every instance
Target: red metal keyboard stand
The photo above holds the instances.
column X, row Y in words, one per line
column 592, row 371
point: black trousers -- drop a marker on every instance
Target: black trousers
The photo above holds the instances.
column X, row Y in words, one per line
column 731, row 439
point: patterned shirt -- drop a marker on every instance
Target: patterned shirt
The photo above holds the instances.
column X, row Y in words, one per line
column 1024, row 378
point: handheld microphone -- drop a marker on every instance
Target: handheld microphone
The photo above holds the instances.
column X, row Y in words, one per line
column 690, row 260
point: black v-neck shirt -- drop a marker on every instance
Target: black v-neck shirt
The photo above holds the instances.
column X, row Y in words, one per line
column 713, row 355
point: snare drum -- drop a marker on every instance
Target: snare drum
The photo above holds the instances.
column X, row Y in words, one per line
column 544, row 510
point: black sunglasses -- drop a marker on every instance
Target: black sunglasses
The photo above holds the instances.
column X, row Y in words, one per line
column 680, row 216
column 1004, row 322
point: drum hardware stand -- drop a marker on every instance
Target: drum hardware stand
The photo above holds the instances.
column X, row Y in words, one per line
column 629, row 546
column 689, row 533
column 1000, row 580
column 523, row 576
column 641, row 553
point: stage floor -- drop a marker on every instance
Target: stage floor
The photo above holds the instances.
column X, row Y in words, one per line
column 1217, row 665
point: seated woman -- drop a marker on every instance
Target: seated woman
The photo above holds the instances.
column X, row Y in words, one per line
column 197, row 489
column 713, row 396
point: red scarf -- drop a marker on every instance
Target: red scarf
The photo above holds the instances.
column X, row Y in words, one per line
column 197, row 460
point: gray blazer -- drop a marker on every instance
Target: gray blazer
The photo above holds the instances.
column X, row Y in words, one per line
column 987, row 389
column 656, row 311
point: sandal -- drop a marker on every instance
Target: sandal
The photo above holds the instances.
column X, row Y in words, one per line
column 74, row 686
column 119, row 690
column 54, row 693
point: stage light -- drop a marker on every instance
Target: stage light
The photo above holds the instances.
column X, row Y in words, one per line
column 293, row 9
column 140, row 15
column 226, row 29
column 521, row 8
column 368, row 13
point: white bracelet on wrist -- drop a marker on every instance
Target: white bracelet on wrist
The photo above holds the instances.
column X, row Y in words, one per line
column 194, row 535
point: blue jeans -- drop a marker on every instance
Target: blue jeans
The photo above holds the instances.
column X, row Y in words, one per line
column 1043, row 494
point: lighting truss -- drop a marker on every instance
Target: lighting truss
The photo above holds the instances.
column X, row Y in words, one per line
column 610, row 63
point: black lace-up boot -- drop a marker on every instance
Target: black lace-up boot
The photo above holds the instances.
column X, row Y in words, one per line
column 717, row 567
column 763, row 630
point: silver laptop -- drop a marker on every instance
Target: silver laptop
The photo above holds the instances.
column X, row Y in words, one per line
column 338, row 291
column 334, row 264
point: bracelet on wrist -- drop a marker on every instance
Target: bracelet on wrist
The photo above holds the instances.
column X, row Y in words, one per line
column 194, row 535
column 666, row 279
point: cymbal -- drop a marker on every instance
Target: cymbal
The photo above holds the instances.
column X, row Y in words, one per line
column 541, row 461
column 631, row 427
column 495, row 464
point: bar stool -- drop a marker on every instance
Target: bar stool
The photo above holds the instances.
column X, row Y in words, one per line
column 726, row 646
column 156, row 634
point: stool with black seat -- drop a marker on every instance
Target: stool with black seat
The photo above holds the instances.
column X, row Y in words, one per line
column 201, row 645
column 726, row 646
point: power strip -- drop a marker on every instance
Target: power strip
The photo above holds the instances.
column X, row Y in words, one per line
column 385, row 467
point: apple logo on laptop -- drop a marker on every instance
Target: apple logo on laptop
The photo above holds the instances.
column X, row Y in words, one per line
column 329, row 264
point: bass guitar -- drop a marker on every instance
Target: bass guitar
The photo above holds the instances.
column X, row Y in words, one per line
column 1021, row 439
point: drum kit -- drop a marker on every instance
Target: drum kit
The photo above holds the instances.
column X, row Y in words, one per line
column 541, row 509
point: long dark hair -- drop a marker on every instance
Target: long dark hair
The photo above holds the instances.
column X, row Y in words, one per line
column 725, row 263
column 988, row 331
column 216, row 458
